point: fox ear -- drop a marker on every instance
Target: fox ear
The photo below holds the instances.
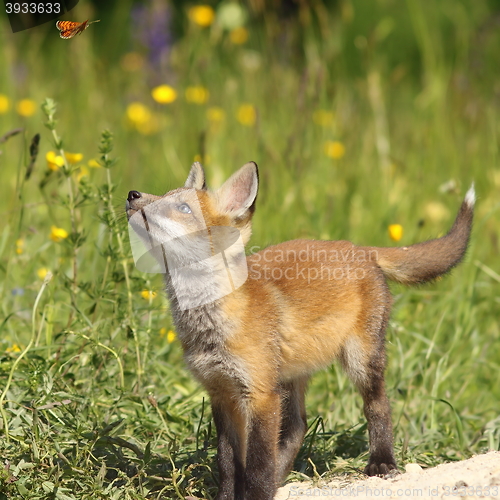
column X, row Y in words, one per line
column 238, row 194
column 196, row 177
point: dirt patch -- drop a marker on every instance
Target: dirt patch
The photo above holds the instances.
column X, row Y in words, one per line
column 477, row 477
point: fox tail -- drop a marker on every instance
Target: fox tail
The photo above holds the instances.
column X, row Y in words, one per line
column 426, row 261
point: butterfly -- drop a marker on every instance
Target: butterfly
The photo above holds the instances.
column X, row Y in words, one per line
column 69, row 29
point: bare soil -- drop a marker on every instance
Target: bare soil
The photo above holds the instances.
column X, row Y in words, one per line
column 477, row 477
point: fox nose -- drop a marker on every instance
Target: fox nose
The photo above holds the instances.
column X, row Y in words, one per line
column 133, row 195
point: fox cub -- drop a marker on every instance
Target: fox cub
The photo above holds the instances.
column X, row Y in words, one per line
column 254, row 329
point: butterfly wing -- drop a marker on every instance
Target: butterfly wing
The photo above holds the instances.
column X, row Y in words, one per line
column 66, row 25
column 69, row 29
column 67, row 34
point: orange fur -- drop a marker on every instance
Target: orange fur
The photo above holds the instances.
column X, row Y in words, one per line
column 303, row 304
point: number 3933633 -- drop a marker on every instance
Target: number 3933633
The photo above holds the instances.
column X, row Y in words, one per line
column 28, row 14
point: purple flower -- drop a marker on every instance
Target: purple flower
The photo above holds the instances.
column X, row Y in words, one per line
column 151, row 28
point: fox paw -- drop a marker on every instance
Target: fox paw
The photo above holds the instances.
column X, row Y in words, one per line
column 380, row 469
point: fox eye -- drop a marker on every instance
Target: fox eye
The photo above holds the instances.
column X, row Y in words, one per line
column 184, row 208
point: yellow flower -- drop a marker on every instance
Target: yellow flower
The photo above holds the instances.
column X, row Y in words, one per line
column 239, row 35
column 247, row 115
column 396, row 232
column 54, row 162
column 171, row 336
column 73, row 158
column 334, row 149
column 202, row 15
column 148, row 294
column 93, row 163
column 26, row 107
column 58, row 234
column 141, row 117
column 138, row 114
column 19, row 246
column 82, row 172
column 13, row 348
column 322, row 117
column 4, row 104
column 197, row 95
column 215, row 114
column 42, row 272
column 149, row 127
column 164, row 94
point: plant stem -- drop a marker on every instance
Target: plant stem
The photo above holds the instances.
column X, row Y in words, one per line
column 123, row 262
column 33, row 338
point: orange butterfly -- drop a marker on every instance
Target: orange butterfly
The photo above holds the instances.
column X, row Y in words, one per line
column 69, row 29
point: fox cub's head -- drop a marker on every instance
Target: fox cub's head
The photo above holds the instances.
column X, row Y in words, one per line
column 176, row 220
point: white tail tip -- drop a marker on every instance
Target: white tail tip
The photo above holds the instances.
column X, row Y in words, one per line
column 470, row 196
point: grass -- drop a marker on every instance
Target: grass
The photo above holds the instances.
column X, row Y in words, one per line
column 95, row 400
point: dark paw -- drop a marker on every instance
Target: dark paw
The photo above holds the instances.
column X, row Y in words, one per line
column 380, row 469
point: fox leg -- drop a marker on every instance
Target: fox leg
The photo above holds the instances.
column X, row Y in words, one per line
column 378, row 415
column 231, row 425
column 262, row 452
column 247, row 449
column 367, row 372
column 293, row 424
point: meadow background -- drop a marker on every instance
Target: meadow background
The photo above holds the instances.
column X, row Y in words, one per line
column 363, row 115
